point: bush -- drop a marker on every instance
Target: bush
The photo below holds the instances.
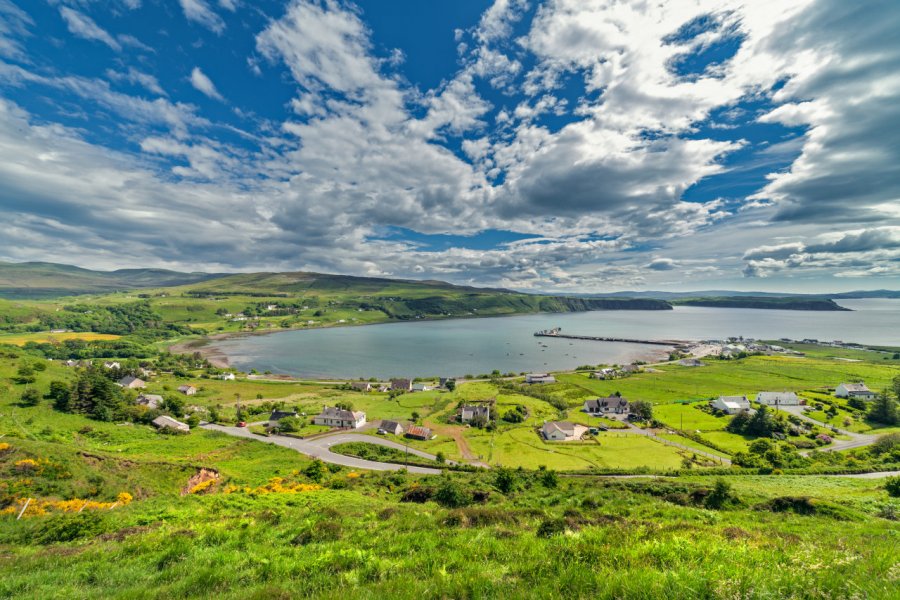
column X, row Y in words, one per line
column 892, row 485
column 68, row 527
column 551, row 527
column 451, row 495
column 31, row 397
column 719, row 496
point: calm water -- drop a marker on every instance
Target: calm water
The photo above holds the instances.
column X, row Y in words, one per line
column 458, row 347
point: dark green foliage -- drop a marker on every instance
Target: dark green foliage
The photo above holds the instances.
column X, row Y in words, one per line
column 759, row 424
column 92, row 394
column 451, row 494
column 719, row 496
column 884, row 409
column 549, row 478
column 517, row 414
column 315, row 471
column 67, row 527
column 505, row 479
column 25, row 374
column 642, row 409
column 59, row 394
column 551, row 527
column 30, row 397
column 892, row 486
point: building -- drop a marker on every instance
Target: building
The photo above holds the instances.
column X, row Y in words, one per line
column 778, row 399
column 602, row 406
column 392, row 427
column 690, row 362
column 112, row 365
column 540, row 378
column 474, row 412
column 403, row 385
column 152, row 401
column 607, row 373
column 444, row 380
column 629, row 369
column 415, row 432
column 339, row 417
column 562, row 431
column 278, row 415
column 731, row 405
column 361, row 386
column 187, row 390
column 166, row 422
column 422, row 387
column 228, row 377
column 854, row 390
column 132, row 383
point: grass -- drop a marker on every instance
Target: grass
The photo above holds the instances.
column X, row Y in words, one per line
column 20, row 339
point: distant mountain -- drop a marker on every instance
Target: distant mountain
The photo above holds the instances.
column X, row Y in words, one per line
column 42, row 280
column 737, row 294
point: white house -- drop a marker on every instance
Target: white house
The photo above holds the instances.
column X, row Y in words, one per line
column 611, row 405
column 421, row 387
column 540, row 378
column 112, row 365
column 165, row 422
column 132, row 383
column 854, row 390
column 227, row 376
column 562, row 431
column 777, row 399
column 392, row 427
column 731, row 405
column 339, row 417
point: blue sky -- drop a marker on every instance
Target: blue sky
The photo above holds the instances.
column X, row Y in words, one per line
column 569, row 145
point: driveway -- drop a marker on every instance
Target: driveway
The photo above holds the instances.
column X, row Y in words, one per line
column 320, row 448
column 857, row 440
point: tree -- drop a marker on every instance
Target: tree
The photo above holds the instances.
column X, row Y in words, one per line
column 174, row 405
column 415, row 416
column 59, row 393
column 31, row 397
column 548, row 478
column 193, row 420
column 643, row 410
column 884, row 409
column 25, row 374
column 451, row 495
column 450, row 385
column 440, row 457
column 720, row 494
column 504, row 480
column 892, row 485
column 315, row 471
column 345, row 405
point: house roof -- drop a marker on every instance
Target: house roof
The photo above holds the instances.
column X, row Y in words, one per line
column 773, row 396
column 856, row 387
column 391, row 425
column 417, row 431
column 333, row 412
column 128, row 380
column 738, row 399
column 277, row 415
column 166, row 421
column 566, row 427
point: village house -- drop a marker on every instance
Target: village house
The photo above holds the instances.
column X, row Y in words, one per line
column 187, row 390
column 392, row 427
column 607, row 373
column 854, row 390
column 540, row 378
column 278, row 415
column 361, row 386
column 228, row 377
column 416, row 432
column 690, row 362
column 112, row 365
column 166, row 422
column 611, row 405
column 421, row 387
column 562, row 431
column 131, row 383
column 151, row 401
column 731, row 405
column 339, row 417
column 778, row 399
column 474, row 412
column 629, row 369
column 403, row 385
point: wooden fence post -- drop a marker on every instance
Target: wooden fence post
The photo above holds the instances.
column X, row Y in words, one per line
column 22, row 512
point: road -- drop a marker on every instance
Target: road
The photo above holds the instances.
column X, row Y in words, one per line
column 857, row 440
column 320, row 448
column 646, row 432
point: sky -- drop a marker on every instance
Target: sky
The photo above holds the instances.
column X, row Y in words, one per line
column 563, row 146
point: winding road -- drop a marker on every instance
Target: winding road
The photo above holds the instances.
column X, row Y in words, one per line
column 320, row 447
column 857, row 440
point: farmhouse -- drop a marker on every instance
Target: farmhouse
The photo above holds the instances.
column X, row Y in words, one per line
column 778, row 399
column 149, row 400
column 690, row 362
column 854, row 390
column 339, row 417
column 421, row 387
column 418, row 433
column 392, row 427
column 562, row 431
column 227, row 376
column 278, row 415
column 403, row 385
column 731, row 405
column 361, row 386
column 187, row 390
column 611, row 405
column 474, row 412
column 132, row 383
column 165, row 422
column 540, row 378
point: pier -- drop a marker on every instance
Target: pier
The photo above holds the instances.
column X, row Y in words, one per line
column 556, row 333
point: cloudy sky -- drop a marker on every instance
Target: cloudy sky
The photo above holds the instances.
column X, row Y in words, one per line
column 567, row 145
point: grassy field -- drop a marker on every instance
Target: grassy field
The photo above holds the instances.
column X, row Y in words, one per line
column 20, row 339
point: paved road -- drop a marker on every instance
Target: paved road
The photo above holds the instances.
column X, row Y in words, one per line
column 320, row 448
column 857, row 440
column 879, row 475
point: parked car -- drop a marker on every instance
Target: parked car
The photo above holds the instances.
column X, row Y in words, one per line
column 381, row 431
column 242, row 423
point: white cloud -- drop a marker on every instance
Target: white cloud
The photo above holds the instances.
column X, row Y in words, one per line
column 14, row 25
column 134, row 76
column 83, row 26
column 204, row 85
column 200, row 12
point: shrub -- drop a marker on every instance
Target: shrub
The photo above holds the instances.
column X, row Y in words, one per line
column 551, row 527
column 68, row 527
column 892, row 485
column 719, row 496
column 450, row 494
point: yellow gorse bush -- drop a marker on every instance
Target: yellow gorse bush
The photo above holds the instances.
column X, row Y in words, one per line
column 4, row 446
column 203, row 486
column 37, row 508
column 276, row 485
